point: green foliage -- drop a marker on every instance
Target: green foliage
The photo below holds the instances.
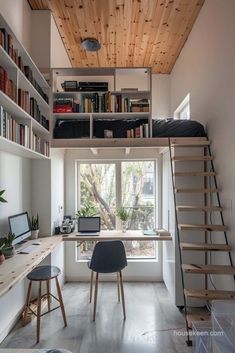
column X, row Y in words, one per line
column 6, row 242
column 1, row 198
column 88, row 210
column 122, row 213
column 34, row 223
column 1, row 248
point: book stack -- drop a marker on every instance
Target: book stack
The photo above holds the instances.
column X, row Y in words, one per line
column 65, row 105
column 6, row 42
column 139, row 105
column 35, row 112
column 41, row 146
column 120, row 104
column 13, row 131
column 138, row 132
column 24, row 100
column 95, row 103
column 7, row 85
column 93, row 86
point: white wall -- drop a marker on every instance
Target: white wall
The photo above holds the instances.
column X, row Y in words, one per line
column 161, row 96
column 205, row 69
column 17, row 13
column 59, row 56
column 57, row 187
column 41, row 34
column 15, row 178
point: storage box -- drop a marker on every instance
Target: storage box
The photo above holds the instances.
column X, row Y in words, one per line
column 204, row 338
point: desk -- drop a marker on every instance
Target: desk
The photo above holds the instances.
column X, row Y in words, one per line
column 119, row 235
column 16, row 268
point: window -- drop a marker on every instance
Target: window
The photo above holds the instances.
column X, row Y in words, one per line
column 128, row 184
column 183, row 110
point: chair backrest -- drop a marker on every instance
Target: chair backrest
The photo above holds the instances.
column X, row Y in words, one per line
column 108, row 257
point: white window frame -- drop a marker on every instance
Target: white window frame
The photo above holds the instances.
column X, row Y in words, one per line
column 157, row 200
column 185, row 104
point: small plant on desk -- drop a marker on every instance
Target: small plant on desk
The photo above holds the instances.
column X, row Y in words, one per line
column 6, row 244
column 2, row 257
column 34, row 227
column 123, row 214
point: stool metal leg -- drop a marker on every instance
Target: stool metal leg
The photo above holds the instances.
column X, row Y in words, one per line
column 39, row 310
column 91, row 285
column 95, row 297
column 27, row 303
column 122, row 295
column 61, row 301
column 118, row 287
column 48, row 296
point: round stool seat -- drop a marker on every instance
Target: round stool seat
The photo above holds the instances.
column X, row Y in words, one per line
column 43, row 273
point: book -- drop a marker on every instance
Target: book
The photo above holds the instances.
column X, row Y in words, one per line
column 151, row 232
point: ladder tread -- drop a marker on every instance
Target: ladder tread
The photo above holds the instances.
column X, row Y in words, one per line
column 204, row 227
column 205, row 191
column 182, row 208
column 209, row 294
column 205, row 247
column 194, row 174
column 208, row 269
column 205, row 317
column 188, row 141
column 192, row 158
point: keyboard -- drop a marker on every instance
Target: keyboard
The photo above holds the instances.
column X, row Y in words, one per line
column 28, row 249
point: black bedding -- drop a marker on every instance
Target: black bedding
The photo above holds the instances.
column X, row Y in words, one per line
column 161, row 128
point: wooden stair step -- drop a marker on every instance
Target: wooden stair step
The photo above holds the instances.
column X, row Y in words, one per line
column 208, row 269
column 192, row 158
column 209, row 294
column 205, row 247
column 203, row 227
column 206, row 317
column 204, row 174
column 186, row 208
column 188, row 191
column 180, row 143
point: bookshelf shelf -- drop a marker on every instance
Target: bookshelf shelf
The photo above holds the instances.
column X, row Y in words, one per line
column 122, row 111
column 24, row 111
column 19, row 150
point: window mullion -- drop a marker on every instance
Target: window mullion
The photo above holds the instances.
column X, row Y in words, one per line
column 118, row 190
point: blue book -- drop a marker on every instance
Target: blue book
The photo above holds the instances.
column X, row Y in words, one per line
column 150, row 232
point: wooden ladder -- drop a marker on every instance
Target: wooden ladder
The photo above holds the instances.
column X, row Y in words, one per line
column 208, row 176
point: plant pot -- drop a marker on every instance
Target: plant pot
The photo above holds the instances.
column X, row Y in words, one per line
column 124, row 226
column 9, row 252
column 34, row 234
column 2, row 258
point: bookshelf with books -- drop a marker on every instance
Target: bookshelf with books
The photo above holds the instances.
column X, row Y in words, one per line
column 113, row 109
column 24, row 102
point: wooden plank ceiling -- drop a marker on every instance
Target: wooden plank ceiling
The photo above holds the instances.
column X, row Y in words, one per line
column 133, row 33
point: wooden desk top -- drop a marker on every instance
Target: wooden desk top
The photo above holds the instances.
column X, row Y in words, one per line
column 16, row 268
column 119, row 235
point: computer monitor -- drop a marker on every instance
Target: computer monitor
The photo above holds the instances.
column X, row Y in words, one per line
column 19, row 225
column 89, row 224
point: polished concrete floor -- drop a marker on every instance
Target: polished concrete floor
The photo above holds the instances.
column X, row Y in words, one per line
column 153, row 324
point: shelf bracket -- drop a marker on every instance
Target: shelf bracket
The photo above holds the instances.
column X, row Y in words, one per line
column 127, row 150
column 94, row 151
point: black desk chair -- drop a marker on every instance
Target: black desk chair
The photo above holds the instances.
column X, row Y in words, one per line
column 108, row 257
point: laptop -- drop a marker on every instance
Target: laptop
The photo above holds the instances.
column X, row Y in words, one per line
column 88, row 225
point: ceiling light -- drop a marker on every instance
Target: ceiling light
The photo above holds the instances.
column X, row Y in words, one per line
column 90, row 44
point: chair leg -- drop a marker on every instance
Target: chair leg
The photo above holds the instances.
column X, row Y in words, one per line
column 27, row 303
column 118, row 289
column 61, row 301
column 95, row 297
column 48, row 296
column 39, row 310
column 91, row 285
column 122, row 295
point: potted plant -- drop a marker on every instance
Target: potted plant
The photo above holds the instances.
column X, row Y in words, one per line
column 34, row 226
column 2, row 257
column 123, row 214
column 88, row 210
column 7, row 245
column 1, row 198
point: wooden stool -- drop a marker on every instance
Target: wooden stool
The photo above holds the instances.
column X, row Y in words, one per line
column 40, row 274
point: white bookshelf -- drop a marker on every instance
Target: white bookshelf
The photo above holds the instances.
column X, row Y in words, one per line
column 11, row 107
column 109, row 75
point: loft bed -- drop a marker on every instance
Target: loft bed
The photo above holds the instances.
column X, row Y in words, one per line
column 74, row 134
